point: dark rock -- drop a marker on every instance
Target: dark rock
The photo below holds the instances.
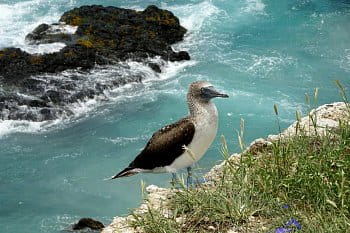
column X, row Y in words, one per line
column 103, row 33
column 33, row 85
column 155, row 67
column 47, row 114
column 38, row 32
column 130, row 79
column 81, row 95
column 45, row 33
column 88, row 223
column 94, row 35
column 180, row 56
column 53, row 96
column 37, row 103
column 15, row 65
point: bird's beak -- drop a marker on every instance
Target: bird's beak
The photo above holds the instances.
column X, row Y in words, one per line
column 210, row 92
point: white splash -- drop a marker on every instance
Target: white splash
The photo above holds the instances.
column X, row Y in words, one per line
column 62, row 28
column 257, row 64
column 254, row 6
column 193, row 16
column 50, row 47
column 43, row 48
column 14, row 126
column 19, row 19
column 266, row 64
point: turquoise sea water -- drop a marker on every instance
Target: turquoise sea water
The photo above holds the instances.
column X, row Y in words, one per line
column 260, row 52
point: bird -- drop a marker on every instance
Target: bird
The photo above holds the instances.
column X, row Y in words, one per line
column 181, row 144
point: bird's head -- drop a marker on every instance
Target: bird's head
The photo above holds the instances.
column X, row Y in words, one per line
column 203, row 90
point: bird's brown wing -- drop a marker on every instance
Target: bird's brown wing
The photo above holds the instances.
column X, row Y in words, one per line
column 165, row 145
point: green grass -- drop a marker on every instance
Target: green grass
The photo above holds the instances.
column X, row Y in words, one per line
column 303, row 178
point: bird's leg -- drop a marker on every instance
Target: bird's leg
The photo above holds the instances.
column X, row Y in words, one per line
column 190, row 182
column 174, row 179
column 189, row 176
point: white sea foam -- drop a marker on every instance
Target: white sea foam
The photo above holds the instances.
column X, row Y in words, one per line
column 266, row 64
column 14, row 126
column 56, row 223
column 50, row 47
column 345, row 61
column 62, row 156
column 254, row 6
column 193, row 16
column 122, row 141
column 43, row 48
column 18, row 19
column 63, row 28
column 169, row 69
column 249, row 62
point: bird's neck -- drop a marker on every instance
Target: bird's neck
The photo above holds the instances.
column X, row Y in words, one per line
column 200, row 109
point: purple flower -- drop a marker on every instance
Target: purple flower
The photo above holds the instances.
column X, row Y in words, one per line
column 285, row 206
column 289, row 226
column 283, row 230
column 294, row 222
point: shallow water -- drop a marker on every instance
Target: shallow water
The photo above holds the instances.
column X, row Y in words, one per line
column 260, row 52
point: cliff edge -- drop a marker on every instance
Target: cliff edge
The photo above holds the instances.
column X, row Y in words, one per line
column 321, row 121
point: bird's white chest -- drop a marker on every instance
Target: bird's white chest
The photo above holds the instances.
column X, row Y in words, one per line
column 206, row 125
column 206, row 129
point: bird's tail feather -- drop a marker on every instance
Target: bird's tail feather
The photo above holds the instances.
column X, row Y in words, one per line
column 129, row 171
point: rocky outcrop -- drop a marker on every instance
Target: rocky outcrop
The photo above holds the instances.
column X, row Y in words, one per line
column 88, row 223
column 97, row 35
column 94, row 35
column 323, row 120
column 57, row 32
column 17, row 66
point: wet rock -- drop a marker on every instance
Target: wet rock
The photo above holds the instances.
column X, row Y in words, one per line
column 83, row 94
column 180, row 56
column 45, row 33
column 53, row 96
column 94, row 35
column 155, row 67
column 130, row 79
column 33, row 85
column 16, row 66
column 47, row 114
column 102, row 34
column 38, row 32
column 37, row 103
column 88, row 223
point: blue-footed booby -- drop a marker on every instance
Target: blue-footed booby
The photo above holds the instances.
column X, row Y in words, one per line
column 181, row 144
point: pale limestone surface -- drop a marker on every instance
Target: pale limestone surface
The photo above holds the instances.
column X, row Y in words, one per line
column 156, row 199
column 326, row 118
